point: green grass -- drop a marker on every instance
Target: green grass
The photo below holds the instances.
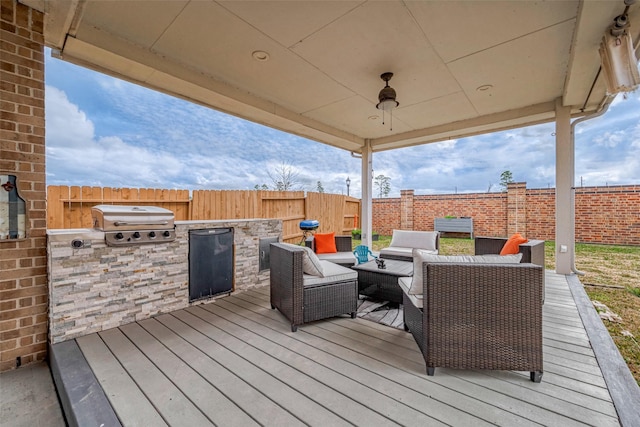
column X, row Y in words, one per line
column 612, row 276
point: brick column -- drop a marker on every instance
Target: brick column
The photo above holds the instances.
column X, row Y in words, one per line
column 406, row 209
column 23, row 262
column 517, row 208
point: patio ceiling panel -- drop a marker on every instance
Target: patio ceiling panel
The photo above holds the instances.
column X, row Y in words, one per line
column 504, row 120
column 322, row 78
column 290, row 22
column 130, row 62
column 357, row 114
column 523, row 78
column 355, row 52
column 283, row 79
column 437, row 111
column 498, row 22
column 132, row 25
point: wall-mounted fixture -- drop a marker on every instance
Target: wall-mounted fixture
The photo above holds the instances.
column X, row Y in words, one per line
column 617, row 54
column 13, row 223
column 387, row 99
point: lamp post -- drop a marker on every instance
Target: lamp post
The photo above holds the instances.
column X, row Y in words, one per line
column 348, row 184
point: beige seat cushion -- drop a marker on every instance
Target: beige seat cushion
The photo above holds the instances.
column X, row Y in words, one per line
column 414, row 239
column 332, row 273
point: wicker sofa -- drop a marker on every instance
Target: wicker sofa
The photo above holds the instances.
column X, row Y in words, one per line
column 404, row 241
column 477, row 316
column 344, row 256
column 303, row 298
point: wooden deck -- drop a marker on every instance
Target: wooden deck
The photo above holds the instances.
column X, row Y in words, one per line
column 235, row 362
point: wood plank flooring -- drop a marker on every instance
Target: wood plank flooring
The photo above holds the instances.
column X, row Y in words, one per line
column 235, row 362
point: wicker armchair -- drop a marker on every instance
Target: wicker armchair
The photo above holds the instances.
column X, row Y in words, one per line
column 479, row 316
column 303, row 299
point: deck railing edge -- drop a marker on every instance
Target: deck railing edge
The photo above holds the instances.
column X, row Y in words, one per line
column 623, row 388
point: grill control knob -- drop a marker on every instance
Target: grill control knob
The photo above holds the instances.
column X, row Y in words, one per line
column 166, row 233
column 152, row 234
column 119, row 236
column 136, row 235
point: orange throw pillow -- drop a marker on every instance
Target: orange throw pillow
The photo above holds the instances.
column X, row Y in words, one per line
column 512, row 246
column 325, row 243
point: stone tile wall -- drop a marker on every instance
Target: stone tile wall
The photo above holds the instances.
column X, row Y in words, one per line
column 98, row 287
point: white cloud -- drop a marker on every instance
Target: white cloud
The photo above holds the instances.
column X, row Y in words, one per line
column 67, row 126
column 75, row 154
column 102, row 131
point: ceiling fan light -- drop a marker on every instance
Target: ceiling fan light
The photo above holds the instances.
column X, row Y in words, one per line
column 387, row 96
column 387, row 104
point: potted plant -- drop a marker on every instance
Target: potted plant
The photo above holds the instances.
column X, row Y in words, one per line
column 356, row 234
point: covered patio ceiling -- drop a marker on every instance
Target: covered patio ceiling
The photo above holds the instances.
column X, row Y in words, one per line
column 312, row 68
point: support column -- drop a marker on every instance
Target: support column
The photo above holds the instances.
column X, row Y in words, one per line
column 565, row 172
column 517, row 208
column 367, row 193
column 406, row 209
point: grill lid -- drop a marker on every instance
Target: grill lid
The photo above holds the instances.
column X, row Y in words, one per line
column 117, row 217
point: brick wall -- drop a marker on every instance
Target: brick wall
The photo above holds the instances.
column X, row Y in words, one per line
column 385, row 215
column 609, row 215
column 23, row 282
column 541, row 213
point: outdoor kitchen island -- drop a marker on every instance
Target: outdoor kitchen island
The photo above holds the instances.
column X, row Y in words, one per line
column 94, row 286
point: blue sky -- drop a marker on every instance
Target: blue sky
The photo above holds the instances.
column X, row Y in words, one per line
column 107, row 132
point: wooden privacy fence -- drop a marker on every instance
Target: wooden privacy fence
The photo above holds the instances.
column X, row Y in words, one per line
column 70, row 207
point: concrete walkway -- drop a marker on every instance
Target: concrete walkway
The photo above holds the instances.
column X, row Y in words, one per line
column 28, row 398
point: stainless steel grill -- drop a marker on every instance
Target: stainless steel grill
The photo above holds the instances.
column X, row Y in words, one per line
column 134, row 225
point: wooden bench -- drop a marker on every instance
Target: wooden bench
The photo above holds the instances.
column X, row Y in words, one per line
column 454, row 225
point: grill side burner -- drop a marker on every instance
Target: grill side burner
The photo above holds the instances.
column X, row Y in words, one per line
column 134, row 225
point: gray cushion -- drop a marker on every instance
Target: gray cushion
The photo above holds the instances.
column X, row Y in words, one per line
column 420, row 257
column 405, row 285
column 405, row 252
column 332, row 273
column 414, row 239
column 310, row 263
column 339, row 257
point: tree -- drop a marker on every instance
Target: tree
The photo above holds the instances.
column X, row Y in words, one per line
column 284, row 177
column 383, row 183
column 320, row 188
column 505, row 179
column 261, row 187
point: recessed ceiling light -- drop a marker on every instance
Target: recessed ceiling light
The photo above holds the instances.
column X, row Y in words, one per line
column 373, row 117
column 260, row 55
column 484, row 88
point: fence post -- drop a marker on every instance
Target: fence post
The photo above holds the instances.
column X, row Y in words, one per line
column 406, row 209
